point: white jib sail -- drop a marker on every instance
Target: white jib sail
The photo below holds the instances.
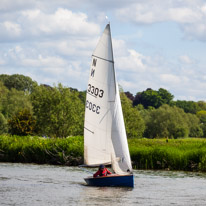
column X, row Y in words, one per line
column 105, row 140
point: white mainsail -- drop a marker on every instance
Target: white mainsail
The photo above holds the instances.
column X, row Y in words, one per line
column 105, row 140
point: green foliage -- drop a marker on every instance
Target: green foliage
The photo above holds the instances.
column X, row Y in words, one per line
column 23, row 123
column 18, row 82
column 82, row 96
column 59, row 111
column 3, row 124
column 167, row 121
column 15, row 101
column 194, row 125
column 181, row 154
column 133, row 121
column 67, row 151
column 202, row 116
column 165, row 95
column 3, row 95
column 203, row 126
column 188, row 106
column 153, row 98
column 129, row 96
column 202, row 105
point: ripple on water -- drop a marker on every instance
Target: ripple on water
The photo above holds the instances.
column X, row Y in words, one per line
column 27, row 184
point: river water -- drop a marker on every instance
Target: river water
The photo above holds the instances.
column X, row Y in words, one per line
column 29, row 184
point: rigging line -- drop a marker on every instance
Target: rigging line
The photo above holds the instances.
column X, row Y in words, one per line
column 89, row 130
column 104, row 59
column 85, row 169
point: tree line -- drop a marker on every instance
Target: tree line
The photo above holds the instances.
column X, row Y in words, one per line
column 27, row 108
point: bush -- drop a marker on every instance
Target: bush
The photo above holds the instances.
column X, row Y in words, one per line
column 22, row 124
column 28, row 149
column 3, row 124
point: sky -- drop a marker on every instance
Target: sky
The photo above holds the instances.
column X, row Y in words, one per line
column 156, row 44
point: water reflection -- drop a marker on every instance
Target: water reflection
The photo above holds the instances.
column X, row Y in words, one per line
column 103, row 195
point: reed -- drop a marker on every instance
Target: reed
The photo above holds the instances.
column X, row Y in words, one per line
column 67, row 151
column 177, row 154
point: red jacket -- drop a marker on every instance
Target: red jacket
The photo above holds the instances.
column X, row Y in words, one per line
column 105, row 172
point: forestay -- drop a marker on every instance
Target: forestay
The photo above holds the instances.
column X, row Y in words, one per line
column 105, row 140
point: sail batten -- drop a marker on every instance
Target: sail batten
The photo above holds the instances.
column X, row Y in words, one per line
column 105, row 138
column 103, row 59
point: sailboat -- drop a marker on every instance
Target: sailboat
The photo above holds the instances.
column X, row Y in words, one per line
column 105, row 140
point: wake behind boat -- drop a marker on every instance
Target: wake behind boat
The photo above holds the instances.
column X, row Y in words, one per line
column 105, row 140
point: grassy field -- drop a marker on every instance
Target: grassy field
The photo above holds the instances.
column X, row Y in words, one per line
column 181, row 154
column 177, row 154
column 67, row 151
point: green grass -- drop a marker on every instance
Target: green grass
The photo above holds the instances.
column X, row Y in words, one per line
column 67, row 151
column 181, row 154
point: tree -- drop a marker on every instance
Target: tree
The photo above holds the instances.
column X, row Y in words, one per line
column 82, row 96
column 165, row 95
column 130, row 96
column 23, row 123
column 188, row 106
column 167, row 121
column 3, row 95
column 3, row 124
column 11, row 102
column 58, row 110
column 153, row 98
column 202, row 105
column 133, row 121
column 195, row 129
column 14, row 102
column 202, row 117
column 19, row 82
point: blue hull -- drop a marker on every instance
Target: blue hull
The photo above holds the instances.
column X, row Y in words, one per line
column 111, row 181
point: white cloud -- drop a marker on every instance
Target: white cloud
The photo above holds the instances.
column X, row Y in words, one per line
column 35, row 23
column 185, row 59
column 61, row 21
column 184, row 15
column 190, row 15
column 132, row 62
column 12, row 28
column 49, row 61
column 170, row 78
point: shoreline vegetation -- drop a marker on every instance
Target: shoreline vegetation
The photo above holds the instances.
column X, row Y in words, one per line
column 188, row 154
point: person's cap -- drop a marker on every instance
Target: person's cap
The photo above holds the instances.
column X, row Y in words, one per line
column 101, row 166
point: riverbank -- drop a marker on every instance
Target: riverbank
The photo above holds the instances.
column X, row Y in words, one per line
column 65, row 151
column 182, row 154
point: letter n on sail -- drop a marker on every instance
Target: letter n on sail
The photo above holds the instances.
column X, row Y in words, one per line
column 94, row 62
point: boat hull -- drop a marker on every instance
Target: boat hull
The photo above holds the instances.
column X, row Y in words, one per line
column 111, row 181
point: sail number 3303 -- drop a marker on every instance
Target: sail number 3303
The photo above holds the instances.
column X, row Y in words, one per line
column 95, row 91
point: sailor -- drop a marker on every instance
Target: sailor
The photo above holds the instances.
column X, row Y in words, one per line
column 103, row 171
